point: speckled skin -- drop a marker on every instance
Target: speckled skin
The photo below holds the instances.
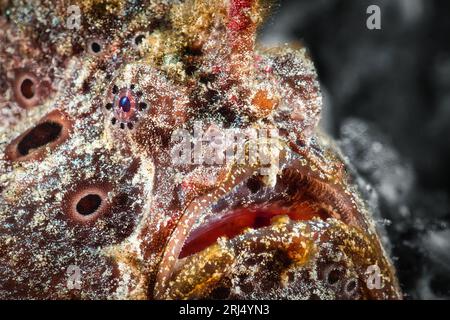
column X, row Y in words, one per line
column 196, row 61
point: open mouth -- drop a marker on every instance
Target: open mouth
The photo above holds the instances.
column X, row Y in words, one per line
column 238, row 221
column 247, row 205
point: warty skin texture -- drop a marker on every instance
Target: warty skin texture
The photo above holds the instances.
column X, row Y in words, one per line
column 85, row 182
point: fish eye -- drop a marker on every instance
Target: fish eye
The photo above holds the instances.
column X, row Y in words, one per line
column 125, row 104
column 254, row 184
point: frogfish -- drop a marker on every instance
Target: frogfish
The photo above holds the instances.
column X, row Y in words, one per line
column 111, row 189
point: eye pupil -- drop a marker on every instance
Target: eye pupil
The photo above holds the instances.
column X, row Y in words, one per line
column 125, row 104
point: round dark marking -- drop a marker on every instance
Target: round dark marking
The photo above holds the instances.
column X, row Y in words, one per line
column 254, row 184
column 109, row 106
column 49, row 132
column 115, row 89
column 142, row 105
column 122, row 125
column 89, row 204
column 96, row 47
column 334, row 276
column 351, row 286
column 138, row 39
column 27, row 88
column 113, row 121
column 39, row 136
column 130, row 125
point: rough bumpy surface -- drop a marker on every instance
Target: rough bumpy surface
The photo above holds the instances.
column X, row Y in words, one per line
column 86, row 173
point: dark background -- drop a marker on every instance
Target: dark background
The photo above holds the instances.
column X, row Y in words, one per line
column 387, row 102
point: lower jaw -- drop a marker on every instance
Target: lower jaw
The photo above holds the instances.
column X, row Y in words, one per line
column 209, row 273
column 289, row 259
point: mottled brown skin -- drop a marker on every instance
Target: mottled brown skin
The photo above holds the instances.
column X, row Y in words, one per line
column 84, row 184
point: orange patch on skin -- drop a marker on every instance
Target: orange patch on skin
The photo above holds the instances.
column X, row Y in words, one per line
column 263, row 103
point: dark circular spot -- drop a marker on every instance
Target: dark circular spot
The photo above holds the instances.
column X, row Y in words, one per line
column 334, row 276
column 132, row 86
column 89, row 204
column 39, row 136
column 350, row 286
column 138, row 39
column 86, row 87
column 96, row 47
column 27, row 88
column 113, row 121
column 220, row 293
column 254, row 184
column 142, row 105
column 130, row 125
column 121, row 201
column 229, row 115
column 115, row 89
column 108, row 106
column 139, row 93
column 122, row 125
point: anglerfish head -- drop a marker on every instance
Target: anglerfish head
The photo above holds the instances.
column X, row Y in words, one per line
column 155, row 151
